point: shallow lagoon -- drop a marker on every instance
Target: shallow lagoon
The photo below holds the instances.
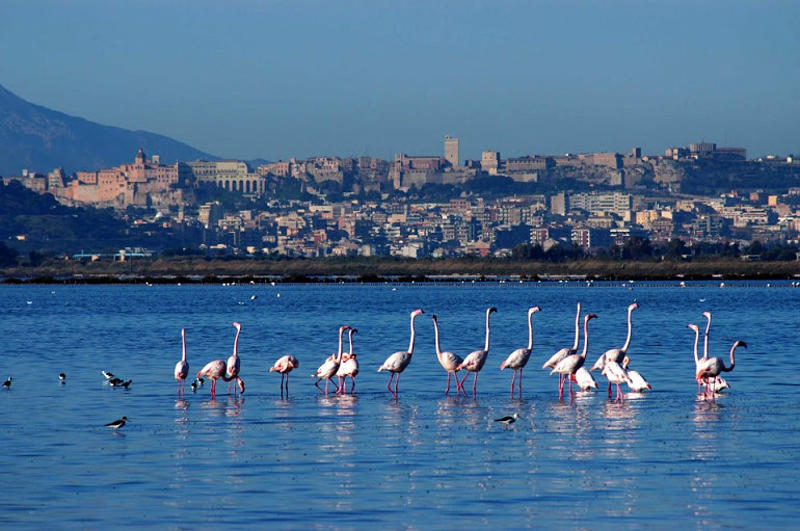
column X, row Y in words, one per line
column 426, row 460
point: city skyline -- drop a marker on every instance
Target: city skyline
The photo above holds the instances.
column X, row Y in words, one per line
column 276, row 80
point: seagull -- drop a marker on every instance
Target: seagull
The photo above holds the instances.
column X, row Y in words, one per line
column 108, row 375
column 62, row 378
column 7, row 383
column 508, row 420
column 117, row 424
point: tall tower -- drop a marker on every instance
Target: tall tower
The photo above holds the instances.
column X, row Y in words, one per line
column 451, row 150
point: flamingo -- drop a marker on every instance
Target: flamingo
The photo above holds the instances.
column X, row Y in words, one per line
column 475, row 360
column 583, row 378
column 284, row 366
column 617, row 354
column 349, row 365
column 397, row 362
column 636, row 381
column 519, row 358
column 328, row 369
column 182, row 367
column 616, row 374
column 711, row 367
column 215, row 370
column 232, row 367
column 570, row 365
column 564, row 352
column 447, row 360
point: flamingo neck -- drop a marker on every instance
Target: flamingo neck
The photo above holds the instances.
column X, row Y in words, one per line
column 183, row 345
column 630, row 331
column 413, row 334
column 585, row 338
column 696, row 341
column 236, row 343
column 577, row 329
column 486, row 343
column 339, row 355
column 733, row 359
column 530, row 331
column 705, row 339
column 436, row 339
column 350, row 340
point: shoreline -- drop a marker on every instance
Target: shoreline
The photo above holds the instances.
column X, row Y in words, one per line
column 201, row 271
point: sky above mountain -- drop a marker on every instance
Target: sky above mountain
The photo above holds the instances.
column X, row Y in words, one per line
column 296, row 78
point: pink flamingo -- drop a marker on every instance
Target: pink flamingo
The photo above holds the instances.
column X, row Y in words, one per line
column 234, row 363
column 617, row 354
column 215, row 370
column 711, row 367
column 397, row 362
column 447, row 360
column 475, row 360
column 284, row 366
column 570, row 365
column 519, row 358
column 182, row 367
column 636, row 381
column 328, row 369
column 564, row 352
column 616, row 374
column 583, row 379
column 349, row 366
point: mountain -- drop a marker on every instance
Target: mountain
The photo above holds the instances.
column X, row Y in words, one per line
column 40, row 139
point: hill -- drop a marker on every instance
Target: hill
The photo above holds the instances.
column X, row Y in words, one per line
column 40, row 139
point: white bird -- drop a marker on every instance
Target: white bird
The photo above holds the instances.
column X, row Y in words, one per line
column 233, row 365
column 397, row 362
column 570, row 365
column 284, row 366
column 711, row 367
column 182, row 367
column 475, row 360
column 617, row 354
column 349, row 365
column 328, row 369
column 564, row 352
column 583, row 378
column 616, row 374
column 519, row 358
column 448, row 360
column 636, row 381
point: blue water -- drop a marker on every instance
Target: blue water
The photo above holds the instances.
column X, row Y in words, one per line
column 423, row 461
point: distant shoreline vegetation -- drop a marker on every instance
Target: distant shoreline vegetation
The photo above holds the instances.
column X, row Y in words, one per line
column 194, row 269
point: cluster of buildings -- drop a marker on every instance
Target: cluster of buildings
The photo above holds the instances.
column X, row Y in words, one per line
column 622, row 196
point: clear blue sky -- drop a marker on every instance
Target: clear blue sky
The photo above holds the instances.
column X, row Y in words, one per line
column 277, row 79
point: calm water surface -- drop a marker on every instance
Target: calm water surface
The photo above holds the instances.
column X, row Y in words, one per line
column 424, row 461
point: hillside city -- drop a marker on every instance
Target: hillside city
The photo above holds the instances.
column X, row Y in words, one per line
column 440, row 206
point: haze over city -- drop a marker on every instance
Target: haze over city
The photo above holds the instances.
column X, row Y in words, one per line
column 283, row 79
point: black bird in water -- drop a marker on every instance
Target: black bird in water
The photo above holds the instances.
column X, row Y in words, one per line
column 126, row 384
column 117, row 424
column 62, row 378
column 7, row 383
column 113, row 382
column 194, row 386
column 508, row 420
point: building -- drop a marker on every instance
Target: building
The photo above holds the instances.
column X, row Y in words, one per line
column 490, row 162
column 559, row 203
column 451, row 151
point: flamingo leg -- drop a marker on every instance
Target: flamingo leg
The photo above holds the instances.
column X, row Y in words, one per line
column 609, row 389
column 475, row 385
column 513, row 377
column 447, row 389
column 519, row 383
column 214, row 388
column 389, row 384
column 396, row 383
column 344, row 385
column 352, row 384
column 560, row 386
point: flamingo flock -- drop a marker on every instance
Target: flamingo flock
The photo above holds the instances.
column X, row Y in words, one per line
column 613, row 364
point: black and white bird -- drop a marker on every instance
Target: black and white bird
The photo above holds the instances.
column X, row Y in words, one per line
column 126, row 384
column 117, row 424
column 113, row 382
column 108, row 375
column 200, row 381
column 508, row 420
column 194, row 386
column 62, row 378
column 7, row 383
